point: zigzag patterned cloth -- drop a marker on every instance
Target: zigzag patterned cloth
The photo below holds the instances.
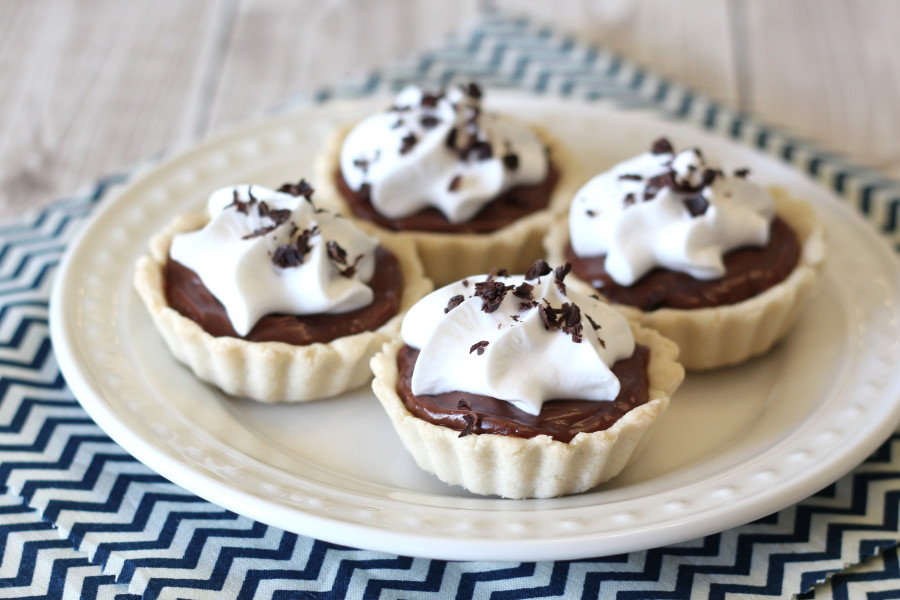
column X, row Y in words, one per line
column 79, row 517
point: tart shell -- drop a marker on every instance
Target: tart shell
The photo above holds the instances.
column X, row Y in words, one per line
column 269, row 371
column 538, row 467
column 448, row 257
column 725, row 335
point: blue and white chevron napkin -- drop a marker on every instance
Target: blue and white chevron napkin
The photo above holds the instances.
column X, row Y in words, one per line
column 79, row 517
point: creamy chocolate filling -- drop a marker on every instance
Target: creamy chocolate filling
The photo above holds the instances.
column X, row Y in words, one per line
column 749, row 271
column 186, row 294
column 505, row 209
column 561, row 419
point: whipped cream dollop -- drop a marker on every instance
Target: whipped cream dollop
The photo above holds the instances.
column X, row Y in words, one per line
column 524, row 339
column 440, row 150
column 266, row 251
column 670, row 210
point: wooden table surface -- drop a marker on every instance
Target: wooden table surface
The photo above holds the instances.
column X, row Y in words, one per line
column 89, row 87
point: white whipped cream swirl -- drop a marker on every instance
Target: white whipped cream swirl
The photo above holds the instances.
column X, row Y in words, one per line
column 507, row 350
column 661, row 209
column 442, row 151
column 255, row 262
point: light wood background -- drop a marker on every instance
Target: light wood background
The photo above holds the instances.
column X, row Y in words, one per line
column 88, row 87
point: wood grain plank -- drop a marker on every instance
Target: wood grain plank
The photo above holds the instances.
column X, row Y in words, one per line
column 88, row 87
column 829, row 72
column 279, row 50
column 689, row 41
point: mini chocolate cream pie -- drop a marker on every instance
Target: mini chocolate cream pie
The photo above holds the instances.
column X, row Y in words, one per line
column 266, row 296
column 711, row 260
column 521, row 387
column 470, row 188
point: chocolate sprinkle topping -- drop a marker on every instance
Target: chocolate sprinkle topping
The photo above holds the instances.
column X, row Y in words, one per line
column 478, row 347
column 742, row 173
column 696, row 205
column 301, row 188
column 631, row 177
column 430, row 100
column 293, row 255
column 408, row 142
column 336, row 253
column 491, row 294
column 242, row 207
column 470, row 423
column 454, row 302
column 591, row 213
column 278, row 216
column 429, row 121
column 662, row 146
column 538, row 269
column 473, row 91
column 455, row 183
column 524, row 292
column 511, row 161
column 481, row 149
column 593, row 323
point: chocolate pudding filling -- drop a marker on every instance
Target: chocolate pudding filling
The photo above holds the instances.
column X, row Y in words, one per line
column 505, row 209
column 186, row 294
column 749, row 271
column 560, row 419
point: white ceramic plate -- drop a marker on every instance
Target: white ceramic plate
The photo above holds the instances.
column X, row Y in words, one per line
column 735, row 445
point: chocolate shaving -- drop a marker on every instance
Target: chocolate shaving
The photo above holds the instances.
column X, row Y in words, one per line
column 242, row 207
column 301, row 188
column 478, row 347
column 742, row 173
column 502, row 273
column 430, row 100
column 397, row 124
column 429, row 121
column 451, row 138
column 361, row 164
column 657, row 183
column 590, row 213
column 538, row 269
column 631, row 177
column 593, row 323
column 463, row 404
column 293, row 255
column 662, row 146
column 258, row 232
column 465, row 282
column 470, row 424
column 350, row 271
column 524, row 291
column 454, row 302
column 472, row 90
column 511, row 161
column 481, row 149
column 561, row 272
column 548, row 316
column 455, row 183
column 571, row 321
column 336, row 253
column 408, row 142
column 278, row 216
column 491, row 294
column 629, row 199
column 695, row 205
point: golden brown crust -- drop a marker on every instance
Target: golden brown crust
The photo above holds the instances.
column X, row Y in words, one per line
column 269, row 371
column 727, row 335
column 448, row 257
column 538, row 467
